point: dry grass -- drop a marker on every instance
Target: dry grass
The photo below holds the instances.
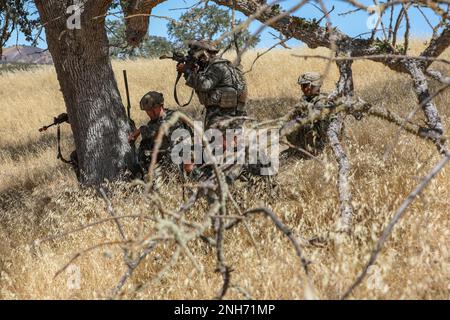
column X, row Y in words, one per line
column 39, row 197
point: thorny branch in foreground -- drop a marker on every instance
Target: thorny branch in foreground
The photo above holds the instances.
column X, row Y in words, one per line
column 174, row 228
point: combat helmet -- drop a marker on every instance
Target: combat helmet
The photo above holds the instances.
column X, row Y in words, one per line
column 311, row 78
column 151, row 100
column 203, row 45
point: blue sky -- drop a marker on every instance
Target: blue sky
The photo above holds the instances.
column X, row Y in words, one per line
column 353, row 24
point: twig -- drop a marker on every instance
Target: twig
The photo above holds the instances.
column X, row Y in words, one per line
column 112, row 212
column 130, row 269
column 288, row 233
column 81, row 253
column 259, row 55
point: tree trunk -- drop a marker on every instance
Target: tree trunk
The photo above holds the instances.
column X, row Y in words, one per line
column 96, row 113
column 344, row 87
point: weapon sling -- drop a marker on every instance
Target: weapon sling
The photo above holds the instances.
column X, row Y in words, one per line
column 58, row 144
column 175, row 94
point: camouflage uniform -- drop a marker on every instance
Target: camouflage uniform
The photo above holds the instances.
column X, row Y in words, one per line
column 150, row 131
column 314, row 136
column 222, row 89
column 214, row 85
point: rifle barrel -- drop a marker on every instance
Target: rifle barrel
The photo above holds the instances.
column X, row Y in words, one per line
column 44, row 128
column 128, row 94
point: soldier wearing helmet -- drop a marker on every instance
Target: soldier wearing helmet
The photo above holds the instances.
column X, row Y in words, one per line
column 153, row 104
column 313, row 137
column 310, row 83
column 219, row 85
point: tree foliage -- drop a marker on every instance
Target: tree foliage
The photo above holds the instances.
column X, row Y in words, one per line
column 151, row 46
column 16, row 15
column 209, row 23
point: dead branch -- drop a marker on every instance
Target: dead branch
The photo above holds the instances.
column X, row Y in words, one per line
column 374, row 57
column 439, row 141
column 82, row 252
column 345, row 88
column 131, row 266
column 345, row 196
column 436, row 75
column 420, row 82
column 259, row 55
column 112, row 212
column 96, row 223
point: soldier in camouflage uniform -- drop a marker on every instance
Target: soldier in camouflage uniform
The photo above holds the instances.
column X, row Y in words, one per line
column 219, row 85
column 153, row 104
column 313, row 137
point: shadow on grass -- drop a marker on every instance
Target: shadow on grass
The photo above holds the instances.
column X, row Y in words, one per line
column 17, row 151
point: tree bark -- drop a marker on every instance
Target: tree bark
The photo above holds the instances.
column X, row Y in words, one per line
column 96, row 113
column 435, row 128
column 4, row 35
column 344, row 87
column 345, row 196
column 137, row 13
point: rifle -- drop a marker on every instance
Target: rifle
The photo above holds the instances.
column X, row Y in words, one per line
column 128, row 97
column 179, row 57
column 136, row 168
column 190, row 61
column 63, row 117
column 57, row 120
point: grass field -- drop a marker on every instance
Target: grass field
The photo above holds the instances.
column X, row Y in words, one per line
column 39, row 197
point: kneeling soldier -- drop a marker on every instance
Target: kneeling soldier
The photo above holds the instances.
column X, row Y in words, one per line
column 153, row 104
column 313, row 137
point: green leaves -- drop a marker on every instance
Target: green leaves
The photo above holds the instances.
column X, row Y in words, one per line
column 16, row 15
column 207, row 22
column 151, row 46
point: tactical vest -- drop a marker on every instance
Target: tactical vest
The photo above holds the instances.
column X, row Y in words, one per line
column 149, row 133
column 230, row 92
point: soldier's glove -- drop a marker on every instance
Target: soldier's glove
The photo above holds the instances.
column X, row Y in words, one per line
column 181, row 67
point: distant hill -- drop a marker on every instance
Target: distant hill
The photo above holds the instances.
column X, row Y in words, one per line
column 26, row 54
